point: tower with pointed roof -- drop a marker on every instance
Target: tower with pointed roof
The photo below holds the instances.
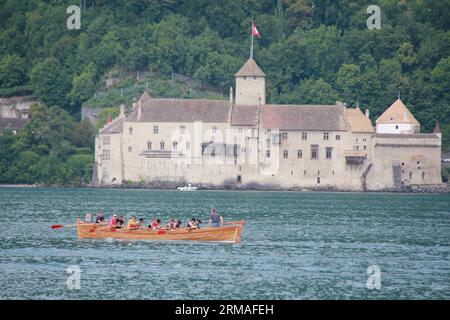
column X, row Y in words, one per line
column 397, row 119
column 250, row 84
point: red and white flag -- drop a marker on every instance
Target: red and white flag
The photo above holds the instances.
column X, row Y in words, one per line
column 255, row 31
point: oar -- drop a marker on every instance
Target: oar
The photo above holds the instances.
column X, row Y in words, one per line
column 57, row 226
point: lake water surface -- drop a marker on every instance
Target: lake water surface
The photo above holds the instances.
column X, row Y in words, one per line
column 295, row 245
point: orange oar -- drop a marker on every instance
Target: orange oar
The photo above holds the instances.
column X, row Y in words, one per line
column 57, row 226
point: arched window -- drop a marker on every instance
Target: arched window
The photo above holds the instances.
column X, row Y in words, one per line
column 410, row 175
column 175, row 145
column 149, row 145
column 423, row 175
column 162, row 145
column 130, row 130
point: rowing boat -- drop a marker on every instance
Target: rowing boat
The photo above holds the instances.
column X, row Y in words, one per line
column 230, row 232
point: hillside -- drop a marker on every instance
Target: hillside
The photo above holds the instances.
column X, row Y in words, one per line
column 314, row 52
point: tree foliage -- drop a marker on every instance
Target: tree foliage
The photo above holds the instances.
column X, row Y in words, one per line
column 312, row 51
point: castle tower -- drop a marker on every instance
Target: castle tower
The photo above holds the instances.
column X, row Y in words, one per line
column 250, row 84
column 397, row 119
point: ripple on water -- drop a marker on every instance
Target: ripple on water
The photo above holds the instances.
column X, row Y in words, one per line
column 295, row 246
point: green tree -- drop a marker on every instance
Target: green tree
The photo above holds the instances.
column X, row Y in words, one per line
column 12, row 71
column 51, row 83
column 79, row 168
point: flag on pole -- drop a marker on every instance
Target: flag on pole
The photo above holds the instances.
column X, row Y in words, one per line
column 255, row 31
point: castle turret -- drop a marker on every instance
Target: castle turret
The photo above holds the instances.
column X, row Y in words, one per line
column 397, row 119
column 250, row 84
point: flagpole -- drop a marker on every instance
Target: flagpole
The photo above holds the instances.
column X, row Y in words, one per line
column 251, row 49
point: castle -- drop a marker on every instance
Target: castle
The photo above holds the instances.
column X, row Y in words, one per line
column 245, row 142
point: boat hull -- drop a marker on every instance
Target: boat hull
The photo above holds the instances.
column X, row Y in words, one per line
column 230, row 233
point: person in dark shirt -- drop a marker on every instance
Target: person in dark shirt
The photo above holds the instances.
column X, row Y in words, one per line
column 121, row 220
column 215, row 219
column 100, row 217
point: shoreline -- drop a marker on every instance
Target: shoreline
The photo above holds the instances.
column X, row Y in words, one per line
column 430, row 189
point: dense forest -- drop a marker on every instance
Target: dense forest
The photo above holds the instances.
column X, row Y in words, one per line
column 313, row 51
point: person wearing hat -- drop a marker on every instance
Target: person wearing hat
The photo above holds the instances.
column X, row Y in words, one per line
column 113, row 221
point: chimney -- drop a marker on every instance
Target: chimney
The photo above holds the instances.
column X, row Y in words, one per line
column 134, row 104
column 122, row 111
column 367, row 114
column 231, row 95
column 139, row 111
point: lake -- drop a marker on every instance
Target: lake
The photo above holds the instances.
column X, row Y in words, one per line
column 295, row 245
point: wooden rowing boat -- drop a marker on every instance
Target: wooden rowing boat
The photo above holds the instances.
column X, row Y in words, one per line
column 230, row 232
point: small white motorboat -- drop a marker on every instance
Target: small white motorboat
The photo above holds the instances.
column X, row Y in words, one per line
column 189, row 187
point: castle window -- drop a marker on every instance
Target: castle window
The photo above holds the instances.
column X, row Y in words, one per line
column 365, row 147
column 162, row 145
column 149, row 145
column 268, row 143
column 285, row 154
column 423, row 175
column 304, row 172
column 214, row 129
column 318, row 180
column 105, row 155
column 175, row 145
column 130, row 130
column 325, row 136
column 155, row 129
column 338, row 137
column 130, row 149
column 299, row 154
column 106, row 140
column 182, row 129
column 267, row 153
column 396, row 127
column 314, row 151
column 304, row 135
column 292, row 172
column 329, row 152
column 239, row 130
column 410, row 175
column 284, row 135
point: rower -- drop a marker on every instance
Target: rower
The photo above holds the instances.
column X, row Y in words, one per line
column 121, row 220
column 132, row 223
column 113, row 221
column 100, row 217
column 215, row 219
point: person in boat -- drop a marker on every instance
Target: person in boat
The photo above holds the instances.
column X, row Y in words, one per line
column 121, row 220
column 100, row 217
column 171, row 224
column 215, row 220
column 156, row 224
column 178, row 224
column 140, row 223
column 192, row 223
column 132, row 223
column 113, row 222
column 198, row 222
